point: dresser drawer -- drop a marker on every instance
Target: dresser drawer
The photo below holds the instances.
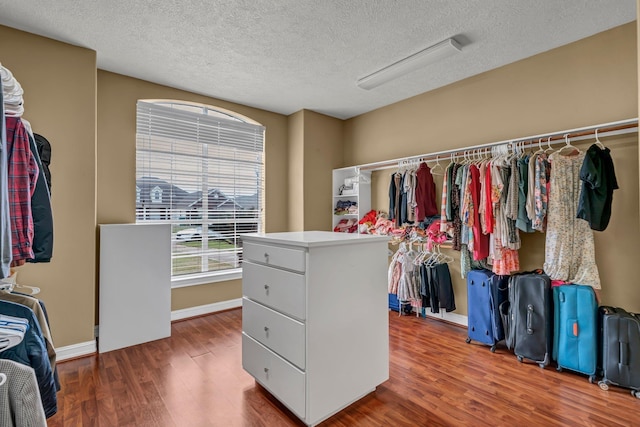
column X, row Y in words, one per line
column 292, row 259
column 278, row 376
column 281, row 290
column 276, row 331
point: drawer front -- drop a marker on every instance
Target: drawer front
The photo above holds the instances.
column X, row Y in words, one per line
column 278, row 332
column 281, row 290
column 282, row 379
column 292, row 259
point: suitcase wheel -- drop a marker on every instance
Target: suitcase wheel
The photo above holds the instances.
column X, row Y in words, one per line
column 520, row 359
column 542, row 365
column 468, row 340
column 603, row 385
column 592, row 379
column 559, row 369
column 635, row 393
column 493, row 348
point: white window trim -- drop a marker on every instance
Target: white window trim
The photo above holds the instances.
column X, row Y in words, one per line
column 206, row 278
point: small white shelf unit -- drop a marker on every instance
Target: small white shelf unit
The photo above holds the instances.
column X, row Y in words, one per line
column 351, row 184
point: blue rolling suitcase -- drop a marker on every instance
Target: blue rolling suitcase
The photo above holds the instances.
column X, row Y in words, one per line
column 575, row 338
column 485, row 292
column 620, row 349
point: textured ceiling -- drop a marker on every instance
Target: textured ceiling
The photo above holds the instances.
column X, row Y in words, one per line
column 287, row 55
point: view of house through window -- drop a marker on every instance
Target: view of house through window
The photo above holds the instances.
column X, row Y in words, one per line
column 199, row 168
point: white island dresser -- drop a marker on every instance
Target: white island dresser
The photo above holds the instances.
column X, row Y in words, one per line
column 315, row 318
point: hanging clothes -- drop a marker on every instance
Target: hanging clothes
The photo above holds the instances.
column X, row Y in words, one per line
column 455, row 208
column 541, row 196
column 41, row 214
column 522, row 221
column 569, row 248
column 436, row 287
column 5, row 218
column 44, row 151
column 394, row 198
column 32, row 352
column 598, row 183
column 22, row 176
column 425, row 193
column 20, row 398
column 480, row 248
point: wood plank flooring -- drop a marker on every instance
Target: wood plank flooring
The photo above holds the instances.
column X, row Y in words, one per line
column 195, row 378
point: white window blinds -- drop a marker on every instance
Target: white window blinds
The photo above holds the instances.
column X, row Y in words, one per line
column 201, row 170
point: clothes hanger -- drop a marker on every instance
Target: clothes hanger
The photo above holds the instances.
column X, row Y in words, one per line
column 598, row 143
column 437, row 168
column 567, row 144
column 548, row 145
column 33, row 290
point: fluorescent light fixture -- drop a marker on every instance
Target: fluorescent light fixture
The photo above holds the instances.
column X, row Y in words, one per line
column 411, row 63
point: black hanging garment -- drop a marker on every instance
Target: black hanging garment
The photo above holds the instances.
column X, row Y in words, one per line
column 41, row 213
column 598, row 182
column 44, row 151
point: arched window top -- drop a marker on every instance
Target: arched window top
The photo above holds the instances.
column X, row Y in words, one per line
column 198, row 108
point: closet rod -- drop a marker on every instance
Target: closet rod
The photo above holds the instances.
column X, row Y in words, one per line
column 606, row 129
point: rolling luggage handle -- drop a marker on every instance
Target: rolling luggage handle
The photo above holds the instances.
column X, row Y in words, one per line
column 530, row 319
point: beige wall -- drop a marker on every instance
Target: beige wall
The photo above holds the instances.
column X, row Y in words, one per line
column 296, row 171
column 323, row 153
column 59, row 83
column 117, row 97
column 315, row 149
column 591, row 81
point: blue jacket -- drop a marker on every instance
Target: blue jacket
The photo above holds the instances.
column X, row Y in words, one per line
column 32, row 352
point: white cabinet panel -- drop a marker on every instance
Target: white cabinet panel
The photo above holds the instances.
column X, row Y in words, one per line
column 280, row 333
column 135, row 284
column 279, row 289
column 291, row 259
column 278, row 376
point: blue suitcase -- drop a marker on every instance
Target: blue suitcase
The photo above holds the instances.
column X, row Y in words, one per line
column 575, row 338
column 485, row 292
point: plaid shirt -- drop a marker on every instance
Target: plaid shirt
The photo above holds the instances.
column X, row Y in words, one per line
column 23, row 173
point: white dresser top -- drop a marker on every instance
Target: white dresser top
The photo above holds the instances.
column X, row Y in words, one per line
column 309, row 239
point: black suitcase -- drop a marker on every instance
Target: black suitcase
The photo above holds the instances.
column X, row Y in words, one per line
column 528, row 318
column 620, row 349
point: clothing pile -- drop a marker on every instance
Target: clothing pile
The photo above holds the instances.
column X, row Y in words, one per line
column 345, row 207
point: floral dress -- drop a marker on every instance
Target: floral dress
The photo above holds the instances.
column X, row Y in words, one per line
column 569, row 247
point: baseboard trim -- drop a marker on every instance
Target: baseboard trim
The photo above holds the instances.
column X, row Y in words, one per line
column 205, row 309
column 457, row 319
column 74, row 351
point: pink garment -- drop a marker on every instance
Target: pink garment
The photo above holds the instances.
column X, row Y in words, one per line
column 425, row 193
column 488, row 210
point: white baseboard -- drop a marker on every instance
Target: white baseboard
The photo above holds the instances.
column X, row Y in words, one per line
column 76, row 350
column 458, row 319
column 205, row 309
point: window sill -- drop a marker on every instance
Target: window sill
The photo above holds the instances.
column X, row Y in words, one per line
column 202, row 279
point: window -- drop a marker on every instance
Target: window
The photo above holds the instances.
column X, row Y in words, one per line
column 156, row 195
column 199, row 168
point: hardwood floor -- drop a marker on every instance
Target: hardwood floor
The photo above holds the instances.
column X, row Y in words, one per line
column 195, row 378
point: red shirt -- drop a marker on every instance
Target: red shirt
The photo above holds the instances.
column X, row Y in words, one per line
column 425, row 193
column 22, row 173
